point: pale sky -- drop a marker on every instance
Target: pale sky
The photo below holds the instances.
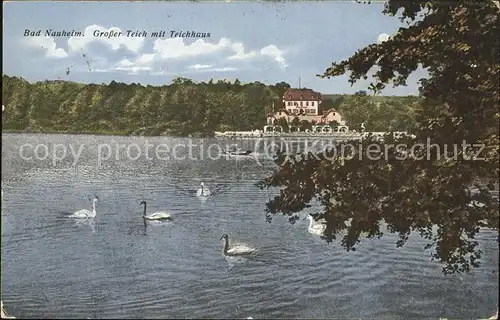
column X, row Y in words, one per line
column 250, row 41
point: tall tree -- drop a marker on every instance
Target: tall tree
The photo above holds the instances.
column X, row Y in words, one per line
column 445, row 199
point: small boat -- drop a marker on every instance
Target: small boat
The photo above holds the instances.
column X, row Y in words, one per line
column 236, row 152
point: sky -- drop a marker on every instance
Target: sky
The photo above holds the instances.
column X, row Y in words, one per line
column 249, row 41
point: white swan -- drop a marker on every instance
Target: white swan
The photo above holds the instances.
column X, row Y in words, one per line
column 315, row 228
column 203, row 191
column 84, row 213
column 155, row 216
column 236, row 250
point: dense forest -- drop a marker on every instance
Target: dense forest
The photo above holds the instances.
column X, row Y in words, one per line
column 179, row 109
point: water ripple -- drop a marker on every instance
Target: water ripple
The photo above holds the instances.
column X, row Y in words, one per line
column 115, row 266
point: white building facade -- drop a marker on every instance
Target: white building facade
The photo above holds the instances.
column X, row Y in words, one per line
column 302, row 101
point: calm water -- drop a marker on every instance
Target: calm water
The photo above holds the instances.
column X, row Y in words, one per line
column 54, row 267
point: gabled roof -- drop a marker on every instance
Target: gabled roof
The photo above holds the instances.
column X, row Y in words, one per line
column 301, row 94
column 327, row 112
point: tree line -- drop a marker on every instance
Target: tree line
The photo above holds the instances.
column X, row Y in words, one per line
column 181, row 108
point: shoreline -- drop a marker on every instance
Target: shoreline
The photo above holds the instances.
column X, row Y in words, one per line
column 108, row 134
column 267, row 135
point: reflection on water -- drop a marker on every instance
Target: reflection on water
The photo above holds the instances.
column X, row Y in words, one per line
column 86, row 223
column 116, row 266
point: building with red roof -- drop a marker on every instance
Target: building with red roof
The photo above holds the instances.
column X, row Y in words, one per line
column 302, row 101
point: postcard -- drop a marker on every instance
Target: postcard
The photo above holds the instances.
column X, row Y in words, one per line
column 249, row 159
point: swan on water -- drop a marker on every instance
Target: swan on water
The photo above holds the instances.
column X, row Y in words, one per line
column 314, row 227
column 155, row 216
column 203, row 191
column 235, row 250
column 84, row 213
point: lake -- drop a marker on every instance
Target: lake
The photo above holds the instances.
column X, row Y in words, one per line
column 116, row 267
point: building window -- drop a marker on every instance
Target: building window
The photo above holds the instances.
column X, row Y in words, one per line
column 289, row 103
column 296, row 104
column 307, row 103
column 301, row 104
